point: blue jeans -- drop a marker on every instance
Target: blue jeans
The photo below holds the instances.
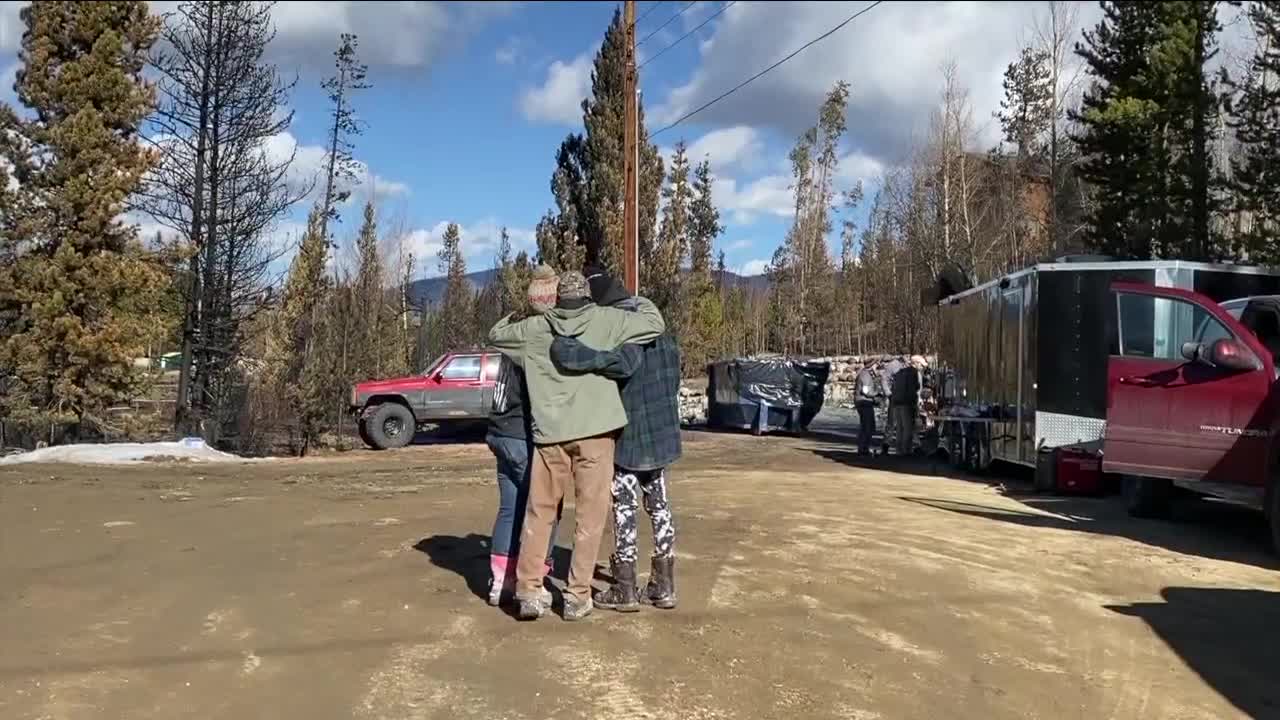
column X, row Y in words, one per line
column 513, row 493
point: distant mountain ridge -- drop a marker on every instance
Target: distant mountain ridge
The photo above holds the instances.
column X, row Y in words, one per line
column 428, row 291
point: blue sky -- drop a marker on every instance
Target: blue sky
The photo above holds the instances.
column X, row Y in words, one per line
column 471, row 100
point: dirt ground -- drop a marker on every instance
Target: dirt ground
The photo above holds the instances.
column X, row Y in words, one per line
column 812, row 585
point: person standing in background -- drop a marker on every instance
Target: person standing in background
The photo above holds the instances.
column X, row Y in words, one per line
column 904, row 403
column 868, row 389
column 887, row 372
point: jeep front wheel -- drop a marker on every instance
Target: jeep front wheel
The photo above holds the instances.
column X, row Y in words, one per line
column 390, row 425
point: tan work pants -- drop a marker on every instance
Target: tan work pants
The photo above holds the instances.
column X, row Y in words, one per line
column 589, row 463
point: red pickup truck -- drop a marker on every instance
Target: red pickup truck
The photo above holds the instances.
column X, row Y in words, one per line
column 1202, row 415
column 457, row 388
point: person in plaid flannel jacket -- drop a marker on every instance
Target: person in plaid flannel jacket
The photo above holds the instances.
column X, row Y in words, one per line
column 649, row 381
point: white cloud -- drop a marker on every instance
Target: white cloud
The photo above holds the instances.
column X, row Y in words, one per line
column 892, row 57
column 737, row 245
column 10, row 26
column 558, row 100
column 732, row 148
column 399, row 34
column 752, row 267
column 769, row 195
column 309, row 163
column 8, row 76
column 479, row 241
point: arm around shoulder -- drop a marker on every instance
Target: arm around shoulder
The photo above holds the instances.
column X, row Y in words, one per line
column 508, row 337
column 643, row 325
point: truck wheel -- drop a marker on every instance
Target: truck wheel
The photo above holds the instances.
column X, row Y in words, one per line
column 389, row 426
column 362, row 427
column 1147, row 497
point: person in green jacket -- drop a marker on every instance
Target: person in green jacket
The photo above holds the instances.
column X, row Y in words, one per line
column 576, row 417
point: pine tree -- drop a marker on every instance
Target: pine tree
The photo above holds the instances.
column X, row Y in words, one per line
column 704, row 220
column 1189, row 44
column 1255, row 118
column 589, row 168
column 1146, row 129
column 340, row 166
column 801, row 272
column 304, row 374
column 1026, row 112
column 661, row 257
column 456, row 325
column 505, row 276
column 79, row 288
column 1119, row 117
column 704, row 318
column 369, row 307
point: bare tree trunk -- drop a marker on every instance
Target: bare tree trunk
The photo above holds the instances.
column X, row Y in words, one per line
column 183, row 407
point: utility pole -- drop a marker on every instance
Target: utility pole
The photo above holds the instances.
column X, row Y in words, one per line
column 630, row 149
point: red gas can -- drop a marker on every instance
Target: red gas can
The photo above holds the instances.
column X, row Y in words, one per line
column 1079, row 472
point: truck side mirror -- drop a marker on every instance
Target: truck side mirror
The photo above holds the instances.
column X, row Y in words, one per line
column 1230, row 354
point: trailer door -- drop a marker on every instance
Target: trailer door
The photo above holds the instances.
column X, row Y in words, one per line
column 1203, row 417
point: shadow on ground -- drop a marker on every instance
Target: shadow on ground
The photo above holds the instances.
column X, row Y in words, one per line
column 1198, row 526
column 1201, row 527
column 451, row 435
column 1231, row 638
column 847, row 454
column 468, row 557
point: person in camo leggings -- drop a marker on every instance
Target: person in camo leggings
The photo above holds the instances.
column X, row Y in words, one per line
column 649, row 380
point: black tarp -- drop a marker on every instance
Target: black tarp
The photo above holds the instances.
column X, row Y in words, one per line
column 789, row 392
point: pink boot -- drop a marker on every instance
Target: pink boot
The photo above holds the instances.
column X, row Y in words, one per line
column 502, row 579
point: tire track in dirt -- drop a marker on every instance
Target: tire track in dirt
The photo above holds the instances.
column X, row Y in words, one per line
column 404, row 688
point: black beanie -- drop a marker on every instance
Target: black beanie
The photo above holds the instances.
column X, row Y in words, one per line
column 605, row 289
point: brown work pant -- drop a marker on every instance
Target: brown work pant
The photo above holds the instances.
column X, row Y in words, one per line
column 589, row 463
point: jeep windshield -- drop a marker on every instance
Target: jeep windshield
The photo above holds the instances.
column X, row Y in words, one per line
column 435, row 364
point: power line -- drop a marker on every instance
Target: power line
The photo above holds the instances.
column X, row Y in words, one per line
column 668, row 22
column 646, row 12
column 682, row 37
column 755, row 77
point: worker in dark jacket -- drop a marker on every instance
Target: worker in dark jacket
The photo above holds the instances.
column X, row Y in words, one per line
column 649, row 379
column 904, row 404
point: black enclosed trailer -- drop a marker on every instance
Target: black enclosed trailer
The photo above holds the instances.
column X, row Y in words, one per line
column 1023, row 358
column 764, row 394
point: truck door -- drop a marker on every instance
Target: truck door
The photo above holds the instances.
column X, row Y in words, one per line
column 455, row 390
column 1188, row 391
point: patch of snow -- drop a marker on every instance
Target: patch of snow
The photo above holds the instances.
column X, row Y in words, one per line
column 185, row 450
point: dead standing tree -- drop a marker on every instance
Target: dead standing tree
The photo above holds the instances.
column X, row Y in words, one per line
column 216, row 184
column 341, row 171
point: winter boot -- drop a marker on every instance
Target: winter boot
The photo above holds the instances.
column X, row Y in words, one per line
column 575, row 609
column 502, row 579
column 622, row 595
column 661, row 591
column 534, row 607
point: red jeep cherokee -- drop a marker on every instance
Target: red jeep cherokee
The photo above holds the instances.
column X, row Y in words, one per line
column 456, row 388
